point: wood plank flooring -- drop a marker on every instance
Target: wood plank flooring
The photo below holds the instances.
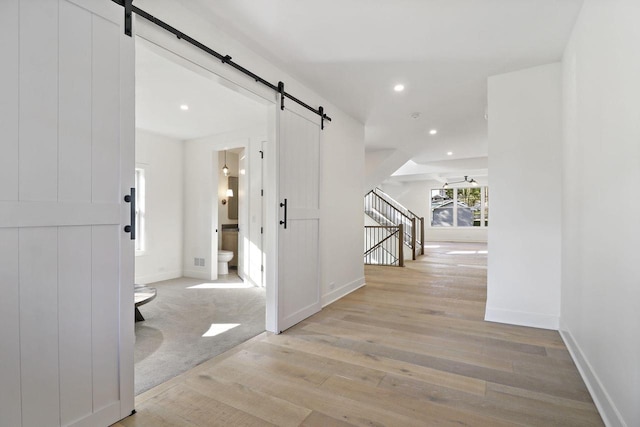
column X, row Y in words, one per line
column 409, row 349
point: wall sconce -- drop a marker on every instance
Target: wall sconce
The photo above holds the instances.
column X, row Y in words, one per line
column 228, row 194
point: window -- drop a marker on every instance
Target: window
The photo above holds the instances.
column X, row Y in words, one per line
column 442, row 208
column 460, row 207
column 140, row 211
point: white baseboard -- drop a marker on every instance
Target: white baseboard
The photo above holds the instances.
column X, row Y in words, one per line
column 343, row 290
column 607, row 409
column 151, row 278
column 193, row 274
column 534, row 320
column 455, row 240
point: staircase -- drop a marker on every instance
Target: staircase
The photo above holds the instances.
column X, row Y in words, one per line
column 382, row 243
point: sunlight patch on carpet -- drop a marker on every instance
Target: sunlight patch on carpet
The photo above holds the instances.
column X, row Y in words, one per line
column 219, row 328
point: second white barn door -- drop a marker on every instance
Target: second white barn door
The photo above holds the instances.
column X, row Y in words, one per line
column 299, row 229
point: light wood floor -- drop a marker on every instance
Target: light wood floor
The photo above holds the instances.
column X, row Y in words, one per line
column 409, row 349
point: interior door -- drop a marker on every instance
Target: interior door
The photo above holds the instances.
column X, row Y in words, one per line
column 66, row 265
column 243, row 216
column 299, row 232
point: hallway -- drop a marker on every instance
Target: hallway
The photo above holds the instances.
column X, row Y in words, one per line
column 410, row 348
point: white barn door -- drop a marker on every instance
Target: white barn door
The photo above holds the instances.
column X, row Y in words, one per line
column 298, row 234
column 66, row 266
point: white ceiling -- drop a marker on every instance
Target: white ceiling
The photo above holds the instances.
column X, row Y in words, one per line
column 163, row 85
column 354, row 51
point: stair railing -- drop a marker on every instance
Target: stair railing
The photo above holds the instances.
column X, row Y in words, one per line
column 386, row 211
column 384, row 245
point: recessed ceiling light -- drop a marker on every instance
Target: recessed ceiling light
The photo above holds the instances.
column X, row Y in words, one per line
column 398, row 87
column 449, row 153
column 433, row 132
column 184, row 107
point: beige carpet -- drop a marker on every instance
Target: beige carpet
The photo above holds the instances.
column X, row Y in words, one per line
column 191, row 321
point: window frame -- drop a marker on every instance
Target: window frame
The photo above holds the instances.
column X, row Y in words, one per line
column 484, row 202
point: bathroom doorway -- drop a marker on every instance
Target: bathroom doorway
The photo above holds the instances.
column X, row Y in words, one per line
column 186, row 119
column 240, row 212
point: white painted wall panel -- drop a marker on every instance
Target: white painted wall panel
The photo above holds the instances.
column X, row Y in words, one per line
column 38, row 104
column 105, row 314
column 162, row 160
column 39, row 326
column 10, row 389
column 74, row 288
column 105, row 163
column 601, row 169
column 9, row 88
column 75, row 87
column 525, row 134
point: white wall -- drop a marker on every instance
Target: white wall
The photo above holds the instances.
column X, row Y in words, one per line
column 342, row 164
column 380, row 164
column 600, row 226
column 525, row 132
column 415, row 196
column 342, row 174
column 161, row 158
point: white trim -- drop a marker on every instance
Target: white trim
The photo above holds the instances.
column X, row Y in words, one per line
column 522, row 318
column 606, row 407
column 342, row 291
column 127, row 247
column 152, row 278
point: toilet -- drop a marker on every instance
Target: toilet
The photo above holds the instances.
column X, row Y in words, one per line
column 223, row 261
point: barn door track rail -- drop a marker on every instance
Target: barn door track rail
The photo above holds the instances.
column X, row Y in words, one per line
column 129, row 9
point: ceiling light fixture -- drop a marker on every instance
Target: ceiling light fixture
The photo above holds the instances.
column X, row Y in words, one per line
column 466, row 179
column 399, row 87
column 433, row 131
column 225, row 169
column 184, row 107
column 449, row 153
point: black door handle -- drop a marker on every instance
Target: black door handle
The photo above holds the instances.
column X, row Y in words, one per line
column 284, row 205
column 131, row 198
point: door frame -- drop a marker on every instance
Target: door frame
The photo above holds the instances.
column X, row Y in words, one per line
column 191, row 58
